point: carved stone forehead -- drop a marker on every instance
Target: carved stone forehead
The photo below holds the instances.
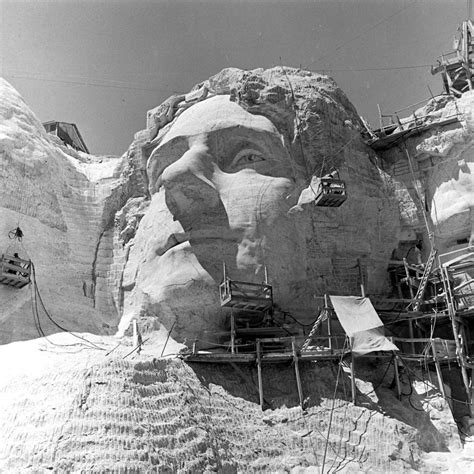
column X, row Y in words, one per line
column 216, row 113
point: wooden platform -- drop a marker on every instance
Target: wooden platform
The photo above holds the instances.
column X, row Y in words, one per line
column 269, row 357
column 219, row 357
column 385, row 140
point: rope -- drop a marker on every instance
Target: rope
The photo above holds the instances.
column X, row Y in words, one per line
column 332, row 407
column 36, row 315
column 324, row 315
column 16, row 233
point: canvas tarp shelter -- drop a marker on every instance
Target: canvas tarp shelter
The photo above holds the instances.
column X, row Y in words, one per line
column 362, row 324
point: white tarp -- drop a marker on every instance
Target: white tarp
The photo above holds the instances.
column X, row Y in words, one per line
column 362, row 324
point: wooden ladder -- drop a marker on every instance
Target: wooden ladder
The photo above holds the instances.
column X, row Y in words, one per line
column 424, row 279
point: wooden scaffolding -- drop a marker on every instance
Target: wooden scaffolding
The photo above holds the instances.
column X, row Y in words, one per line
column 456, row 67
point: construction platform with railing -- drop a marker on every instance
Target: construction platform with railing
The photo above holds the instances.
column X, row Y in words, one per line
column 429, row 323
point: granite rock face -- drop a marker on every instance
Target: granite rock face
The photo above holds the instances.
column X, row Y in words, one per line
column 61, row 199
column 224, row 164
column 442, row 183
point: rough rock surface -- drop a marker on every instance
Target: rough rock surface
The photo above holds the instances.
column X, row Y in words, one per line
column 84, row 410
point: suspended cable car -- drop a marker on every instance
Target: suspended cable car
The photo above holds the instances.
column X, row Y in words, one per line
column 14, row 270
column 331, row 191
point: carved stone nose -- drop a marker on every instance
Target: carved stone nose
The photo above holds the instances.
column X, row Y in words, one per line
column 195, row 162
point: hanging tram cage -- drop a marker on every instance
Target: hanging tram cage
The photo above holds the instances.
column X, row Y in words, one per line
column 331, row 191
column 14, row 270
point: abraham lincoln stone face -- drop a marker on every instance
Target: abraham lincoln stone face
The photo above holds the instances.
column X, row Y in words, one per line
column 220, row 181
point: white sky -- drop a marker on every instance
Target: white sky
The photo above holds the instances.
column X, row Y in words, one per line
column 103, row 64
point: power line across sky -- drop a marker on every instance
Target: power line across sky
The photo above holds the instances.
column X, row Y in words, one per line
column 102, row 65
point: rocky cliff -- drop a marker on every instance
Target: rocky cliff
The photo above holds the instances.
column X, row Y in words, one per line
column 221, row 175
column 64, row 202
column 441, row 182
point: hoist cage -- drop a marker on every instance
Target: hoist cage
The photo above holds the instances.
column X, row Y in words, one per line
column 331, row 192
column 14, row 271
column 245, row 295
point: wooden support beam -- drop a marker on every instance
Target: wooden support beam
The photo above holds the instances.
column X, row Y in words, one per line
column 380, row 118
column 353, row 384
column 297, row 373
column 457, row 335
column 259, row 372
column 361, row 276
column 328, row 316
column 409, row 282
column 232, row 332
column 412, row 336
column 438, row 370
column 397, row 376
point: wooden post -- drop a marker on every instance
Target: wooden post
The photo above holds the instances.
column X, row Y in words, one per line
column 137, row 337
column 353, row 384
column 232, row 332
column 412, row 336
column 297, row 372
column 431, row 92
column 328, row 315
column 471, row 397
column 412, row 295
column 407, row 273
column 361, row 276
column 167, row 339
column 380, row 117
column 461, row 359
column 259, row 372
column 397, row 376
column 224, row 271
column 457, row 336
column 194, row 347
column 135, row 333
column 266, row 275
column 438, row 370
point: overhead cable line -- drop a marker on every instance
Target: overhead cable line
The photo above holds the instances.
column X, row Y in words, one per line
column 362, row 33
column 91, row 82
column 391, row 68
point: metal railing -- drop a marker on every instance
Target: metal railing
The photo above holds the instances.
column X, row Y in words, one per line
column 230, row 289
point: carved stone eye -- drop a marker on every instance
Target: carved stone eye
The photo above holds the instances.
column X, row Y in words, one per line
column 247, row 157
